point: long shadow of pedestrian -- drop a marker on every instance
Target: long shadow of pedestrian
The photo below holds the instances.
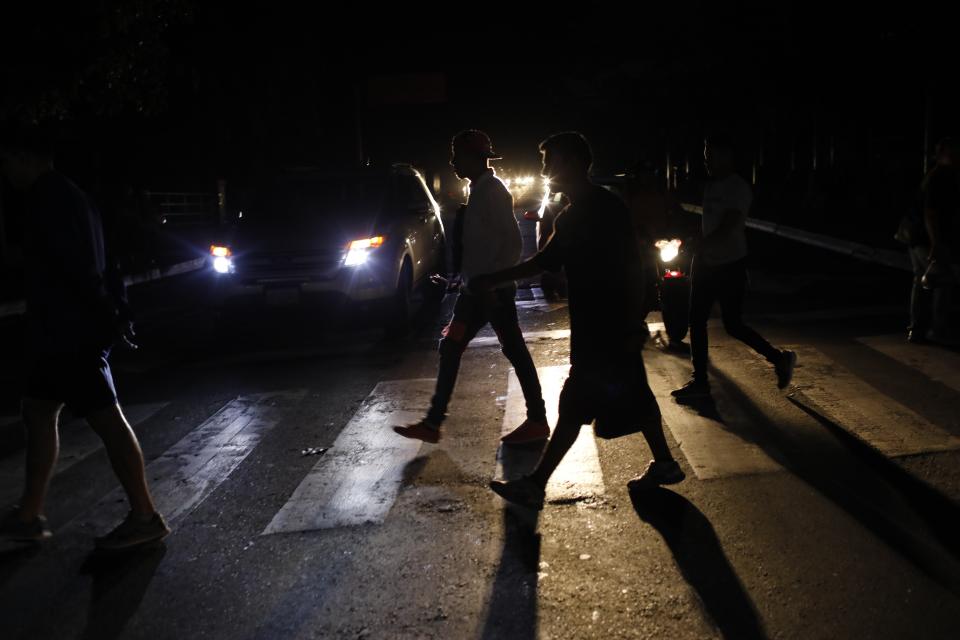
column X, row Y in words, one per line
column 119, row 584
column 705, row 407
column 701, row 560
column 512, row 611
column 858, row 479
column 929, row 504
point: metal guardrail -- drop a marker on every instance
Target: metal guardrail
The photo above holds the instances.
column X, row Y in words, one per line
column 894, row 259
column 19, row 307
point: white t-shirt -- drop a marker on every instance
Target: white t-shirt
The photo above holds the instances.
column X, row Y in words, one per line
column 491, row 235
column 726, row 194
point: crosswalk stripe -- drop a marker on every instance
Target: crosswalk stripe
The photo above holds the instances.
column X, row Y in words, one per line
column 358, row 479
column 539, row 301
column 528, row 336
column 579, row 474
column 936, row 363
column 77, row 442
column 879, row 421
column 714, row 448
column 187, row 473
column 556, row 334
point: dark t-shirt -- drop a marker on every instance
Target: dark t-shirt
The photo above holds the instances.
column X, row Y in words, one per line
column 941, row 192
column 593, row 240
column 69, row 308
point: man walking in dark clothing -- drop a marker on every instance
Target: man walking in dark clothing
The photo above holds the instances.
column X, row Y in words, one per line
column 593, row 241
column 74, row 316
column 940, row 194
column 720, row 270
column 486, row 238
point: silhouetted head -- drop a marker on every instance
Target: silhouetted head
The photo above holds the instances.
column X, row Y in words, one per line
column 471, row 152
column 567, row 159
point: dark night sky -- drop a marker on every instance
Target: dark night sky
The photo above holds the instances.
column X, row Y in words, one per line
column 231, row 87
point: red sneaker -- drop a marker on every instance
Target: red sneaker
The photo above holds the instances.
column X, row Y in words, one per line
column 423, row 430
column 528, row 431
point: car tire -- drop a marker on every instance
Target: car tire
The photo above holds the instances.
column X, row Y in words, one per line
column 675, row 309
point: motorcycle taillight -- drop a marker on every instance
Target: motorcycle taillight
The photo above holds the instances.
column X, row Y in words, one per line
column 670, row 273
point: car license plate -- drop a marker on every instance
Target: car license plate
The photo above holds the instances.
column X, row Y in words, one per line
column 282, row 296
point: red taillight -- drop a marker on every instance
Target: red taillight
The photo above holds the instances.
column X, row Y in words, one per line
column 669, row 273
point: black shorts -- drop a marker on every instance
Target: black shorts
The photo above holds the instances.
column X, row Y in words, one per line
column 618, row 393
column 83, row 382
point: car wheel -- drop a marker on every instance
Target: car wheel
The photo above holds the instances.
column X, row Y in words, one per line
column 675, row 308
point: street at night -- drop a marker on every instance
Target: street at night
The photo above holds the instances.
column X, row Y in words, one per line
column 253, row 439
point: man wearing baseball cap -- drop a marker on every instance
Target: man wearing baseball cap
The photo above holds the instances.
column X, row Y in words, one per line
column 489, row 239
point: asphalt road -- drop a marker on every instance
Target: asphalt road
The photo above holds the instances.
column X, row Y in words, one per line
column 826, row 511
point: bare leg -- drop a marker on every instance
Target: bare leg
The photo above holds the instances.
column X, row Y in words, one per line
column 657, row 441
column 43, row 444
column 126, row 458
column 563, row 437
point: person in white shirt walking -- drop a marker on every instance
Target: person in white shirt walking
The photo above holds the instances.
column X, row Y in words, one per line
column 720, row 270
column 489, row 241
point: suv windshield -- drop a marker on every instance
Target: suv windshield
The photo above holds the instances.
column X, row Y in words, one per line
column 312, row 197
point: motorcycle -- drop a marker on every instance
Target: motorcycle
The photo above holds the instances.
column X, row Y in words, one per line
column 673, row 262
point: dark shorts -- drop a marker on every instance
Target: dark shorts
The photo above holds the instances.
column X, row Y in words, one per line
column 83, row 382
column 618, row 393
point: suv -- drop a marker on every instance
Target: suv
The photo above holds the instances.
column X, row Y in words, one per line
column 369, row 237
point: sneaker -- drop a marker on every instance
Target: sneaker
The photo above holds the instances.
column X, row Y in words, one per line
column 528, row 431
column 784, row 368
column 692, row 390
column 524, row 492
column 423, row 430
column 13, row 529
column 658, row 473
column 133, row 532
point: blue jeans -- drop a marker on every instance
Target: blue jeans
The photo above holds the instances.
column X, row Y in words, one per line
column 470, row 314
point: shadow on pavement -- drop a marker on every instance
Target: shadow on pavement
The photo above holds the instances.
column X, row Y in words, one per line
column 701, row 560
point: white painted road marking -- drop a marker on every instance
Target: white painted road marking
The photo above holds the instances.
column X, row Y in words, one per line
column 77, row 442
column 936, row 363
column 879, row 421
column 187, row 473
column 714, row 449
column 579, row 474
column 528, row 336
column 358, row 479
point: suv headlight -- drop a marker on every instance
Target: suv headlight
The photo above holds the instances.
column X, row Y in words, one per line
column 222, row 260
column 359, row 250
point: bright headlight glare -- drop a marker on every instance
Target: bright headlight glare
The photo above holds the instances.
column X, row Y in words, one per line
column 222, row 264
column 356, row 257
column 669, row 249
column 367, row 243
column 359, row 250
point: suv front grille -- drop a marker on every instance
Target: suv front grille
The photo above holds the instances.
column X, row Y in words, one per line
column 275, row 266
